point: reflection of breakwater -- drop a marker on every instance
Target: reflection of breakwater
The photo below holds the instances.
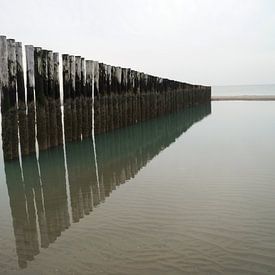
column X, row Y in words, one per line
column 38, row 194
column 98, row 98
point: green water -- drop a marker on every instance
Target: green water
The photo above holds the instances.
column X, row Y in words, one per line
column 192, row 192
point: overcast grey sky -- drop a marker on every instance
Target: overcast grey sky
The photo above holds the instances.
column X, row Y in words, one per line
column 199, row 41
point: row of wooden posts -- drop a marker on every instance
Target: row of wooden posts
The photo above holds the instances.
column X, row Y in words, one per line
column 97, row 98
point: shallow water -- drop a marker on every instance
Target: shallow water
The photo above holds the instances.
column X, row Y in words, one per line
column 250, row 90
column 193, row 192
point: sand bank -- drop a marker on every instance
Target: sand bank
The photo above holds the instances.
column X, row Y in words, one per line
column 244, row 97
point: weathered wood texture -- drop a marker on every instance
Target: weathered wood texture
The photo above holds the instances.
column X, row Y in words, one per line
column 53, row 133
column 67, row 98
column 13, row 116
column 56, row 87
column 22, row 109
column 30, row 97
column 73, row 97
column 97, row 98
column 40, row 95
column 5, row 100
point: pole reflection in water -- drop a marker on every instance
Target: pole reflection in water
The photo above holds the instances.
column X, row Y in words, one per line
column 38, row 200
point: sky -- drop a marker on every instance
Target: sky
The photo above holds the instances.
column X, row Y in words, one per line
column 208, row 42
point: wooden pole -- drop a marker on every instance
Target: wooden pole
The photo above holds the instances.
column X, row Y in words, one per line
column 56, row 85
column 106, row 99
column 124, row 92
column 119, row 100
column 41, row 115
column 67, row 98
column 110, row 98
column 45, row 81
column 5, row 101
column 87, row 102
column 114, row 97
column 84, row 101
column 129, row 98
column 12, row 94
column 22, row 117
column 78, row 97
column 97, row 120
column 102, row 96
column 73, row 97
column 52, row 102
column 30, row 97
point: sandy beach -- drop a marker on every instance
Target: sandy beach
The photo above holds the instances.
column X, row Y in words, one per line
column 244, row 97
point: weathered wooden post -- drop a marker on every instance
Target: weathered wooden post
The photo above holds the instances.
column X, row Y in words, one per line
column 56, row 86
column 73, row 97
column 97, row 117
column 12, row 95
column 138, row 96
column 124, row 93
column 30, row 97
column 181, row 96
column 160, row 91
column 87, row 102
column 146, row 97
column 130, row 84
column 84, row 101
column 134, row 96
column 102, row 98
column 119, row 100
column 154, row 99
column 52, row 102
column 67, row 98
column 109, row 99
column 142, row 94
column 45, row 81
column 114, row 97
column 5, row 101
column 78, row 97
column 22, row 117
column 41, row 115
column 170, row 96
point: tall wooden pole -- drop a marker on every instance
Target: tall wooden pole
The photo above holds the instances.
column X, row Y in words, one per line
column 5, row 100
column 83, row 100
column 56, row 86
column 45, row 81
column 109, row 98
column 97, row 120
column 119, row 96
column 41, row 115
column 67, row 98
column 12, row 95
column 73, row 97
column 78, row 97
column 102, row 97
column 87, row 103
column 124, row 93
column 30, row 97
column 22, row 117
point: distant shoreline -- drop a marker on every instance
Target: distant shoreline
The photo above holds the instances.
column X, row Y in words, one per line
column 244, row 97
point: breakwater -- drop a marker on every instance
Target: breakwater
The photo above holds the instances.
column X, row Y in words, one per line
column 97, row 98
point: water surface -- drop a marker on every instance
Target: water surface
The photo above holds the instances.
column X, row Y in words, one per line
column 192, row 192
column 247, row 90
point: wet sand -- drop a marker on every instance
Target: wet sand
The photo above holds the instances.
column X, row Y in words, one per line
column 244, row 97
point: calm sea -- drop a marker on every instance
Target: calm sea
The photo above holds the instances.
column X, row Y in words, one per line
column 192, row 192
column 243, row 90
